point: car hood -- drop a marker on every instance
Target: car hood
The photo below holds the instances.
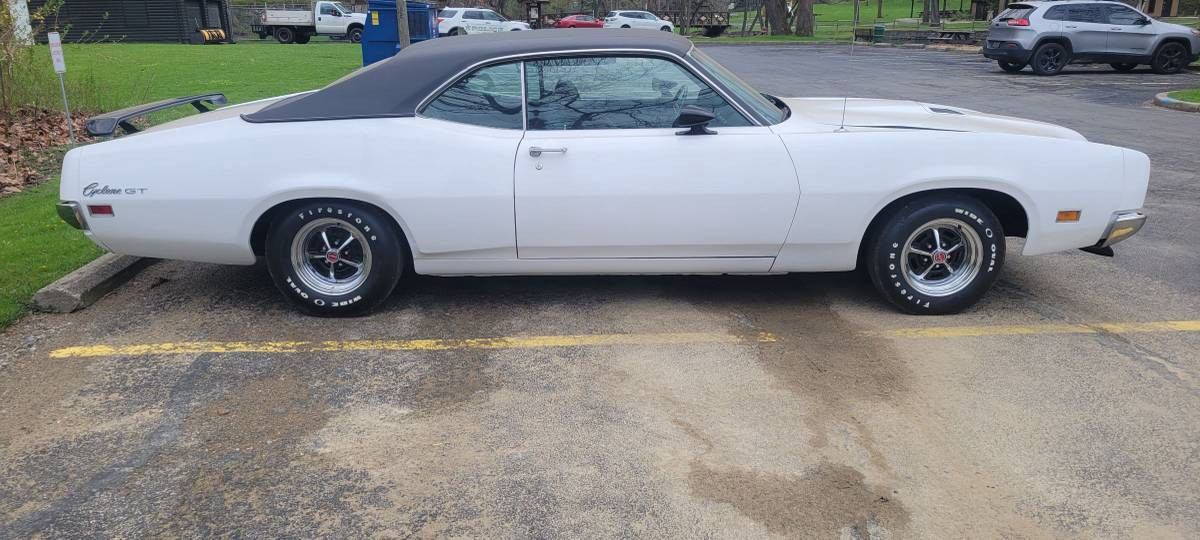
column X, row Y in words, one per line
column 900, row 114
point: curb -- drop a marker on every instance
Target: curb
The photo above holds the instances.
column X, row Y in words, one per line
column 1162, row 100
column 89, row 283
column 912, row 45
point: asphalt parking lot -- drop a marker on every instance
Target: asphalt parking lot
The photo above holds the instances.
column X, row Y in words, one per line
column 193, row 401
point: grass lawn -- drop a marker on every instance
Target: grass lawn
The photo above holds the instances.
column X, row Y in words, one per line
column 112, row 76
column 42, row 247
column 1192, row 95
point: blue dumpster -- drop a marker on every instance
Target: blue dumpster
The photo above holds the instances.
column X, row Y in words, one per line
column 381, row 38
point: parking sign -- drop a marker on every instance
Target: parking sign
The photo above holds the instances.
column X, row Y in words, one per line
column 56, row 54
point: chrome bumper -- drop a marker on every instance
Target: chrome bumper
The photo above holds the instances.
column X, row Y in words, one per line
column 1122, row 225
column 72, row 213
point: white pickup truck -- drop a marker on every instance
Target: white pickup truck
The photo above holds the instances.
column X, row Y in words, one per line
column 298, row 26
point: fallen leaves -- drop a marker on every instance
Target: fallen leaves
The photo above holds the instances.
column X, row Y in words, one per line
column 25, row 135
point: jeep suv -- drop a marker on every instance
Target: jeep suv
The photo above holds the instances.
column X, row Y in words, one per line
column 1050, row 35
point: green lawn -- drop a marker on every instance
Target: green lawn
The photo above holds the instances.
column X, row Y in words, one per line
column 41, row 247
column 1192, row 95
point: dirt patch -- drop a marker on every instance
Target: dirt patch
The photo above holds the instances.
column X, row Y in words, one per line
column 826, row 498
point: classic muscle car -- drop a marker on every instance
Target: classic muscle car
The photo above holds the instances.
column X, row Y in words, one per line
column 604, row 152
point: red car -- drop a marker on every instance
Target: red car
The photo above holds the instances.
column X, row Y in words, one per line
column 579, row 21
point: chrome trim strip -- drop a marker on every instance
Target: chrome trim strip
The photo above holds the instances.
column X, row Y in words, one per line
column 524, row 101
column 653, row 52
column 72, row 214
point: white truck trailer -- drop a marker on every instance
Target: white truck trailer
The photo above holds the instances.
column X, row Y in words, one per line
column 298, row 26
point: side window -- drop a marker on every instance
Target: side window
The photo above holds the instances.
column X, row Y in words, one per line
column 1123, row 15
column 472, row 15
column 328, row 9
column 490, row 97
column 1056, row 13
column 616, row 92
column 1089, row 13
column 448, row 13
column 492, row 16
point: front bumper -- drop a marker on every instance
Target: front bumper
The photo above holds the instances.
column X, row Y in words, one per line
column 1009, row 51
column 1122, row 225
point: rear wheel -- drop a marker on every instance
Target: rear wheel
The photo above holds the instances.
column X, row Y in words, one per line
column 457, row 31
column 1011, row 67
column 334, row 258
column 303, row 37
column 284, row 35
column 624, row 26
column 1050, row 59
column 936, row 255
column 1170, row 59
column 1123, row 66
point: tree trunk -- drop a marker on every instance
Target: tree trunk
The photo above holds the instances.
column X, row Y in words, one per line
column 804, row 17
column 777, row 17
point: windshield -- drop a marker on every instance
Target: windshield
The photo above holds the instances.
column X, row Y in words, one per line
column 761, row 105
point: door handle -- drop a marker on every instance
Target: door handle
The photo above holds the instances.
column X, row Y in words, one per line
column 535, row 151
column 1069, row 26
column 1118, row 28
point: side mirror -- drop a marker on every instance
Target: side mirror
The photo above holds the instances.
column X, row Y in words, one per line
column 696, row 119
column 1143, row 21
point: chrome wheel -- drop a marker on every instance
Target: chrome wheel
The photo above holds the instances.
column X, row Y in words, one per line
column 330, row 256
column 942, row 257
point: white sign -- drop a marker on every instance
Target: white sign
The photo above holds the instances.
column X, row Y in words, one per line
column 56, row 55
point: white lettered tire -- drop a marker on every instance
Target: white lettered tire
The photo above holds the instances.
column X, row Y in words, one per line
column 936, row 255
column 334, row 258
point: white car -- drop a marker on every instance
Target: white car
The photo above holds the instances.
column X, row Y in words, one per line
column 606, row 152
column 465, row 21
column 637, row 19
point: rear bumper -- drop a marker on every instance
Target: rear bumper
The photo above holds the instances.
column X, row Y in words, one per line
column 1121, row 225
column 1008, row 51
column 71, row 213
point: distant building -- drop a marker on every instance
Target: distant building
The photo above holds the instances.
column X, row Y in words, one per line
column 178, row 21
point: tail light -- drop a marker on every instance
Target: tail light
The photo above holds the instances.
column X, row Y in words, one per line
column 100, row 210
column 1018, row 22
column 439, row 20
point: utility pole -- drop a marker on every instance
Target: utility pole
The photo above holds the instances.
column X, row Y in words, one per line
column 402, row 35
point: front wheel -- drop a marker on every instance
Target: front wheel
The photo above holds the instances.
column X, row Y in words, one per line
column 665, row 29
column 936, row 255
column 1011, row 67
column 1050, row 59
column 303, row 38
column 334, row 258
column 624, row 26
column 355, row 35
column 1170, row 59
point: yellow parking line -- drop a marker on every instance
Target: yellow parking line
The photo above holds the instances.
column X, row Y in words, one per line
column 1041, row 329
column 591, row 340
column 529, row 342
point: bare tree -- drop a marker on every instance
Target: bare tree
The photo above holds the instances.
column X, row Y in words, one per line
column 804, row 17
column 777, row 16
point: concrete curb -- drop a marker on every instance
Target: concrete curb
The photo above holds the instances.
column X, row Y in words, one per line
column 92, row 281
column 912, row 45
column 1162, row 100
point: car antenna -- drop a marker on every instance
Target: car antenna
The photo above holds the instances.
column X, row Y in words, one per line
column 853, row 38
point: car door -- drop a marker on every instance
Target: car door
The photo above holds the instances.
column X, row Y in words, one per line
column 473, row 22
column 1087, row 27
column 493, row 20
column 329, row 19
column 602, row 172
column 1128, row 32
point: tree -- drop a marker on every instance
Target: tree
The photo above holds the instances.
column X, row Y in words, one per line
column 804, row 17
column 777, row 16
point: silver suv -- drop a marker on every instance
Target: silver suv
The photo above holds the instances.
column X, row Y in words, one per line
column 1050, row 35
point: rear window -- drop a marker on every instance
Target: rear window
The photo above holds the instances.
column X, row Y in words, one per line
column 1015, row 11
column 448, row 13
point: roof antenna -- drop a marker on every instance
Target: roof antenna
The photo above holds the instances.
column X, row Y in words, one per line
column 853, row 38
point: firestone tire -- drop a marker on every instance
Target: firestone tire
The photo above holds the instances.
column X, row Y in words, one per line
column 936, row 255
column 334, row 258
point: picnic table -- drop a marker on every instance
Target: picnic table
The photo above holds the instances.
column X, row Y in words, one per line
column 952, row 36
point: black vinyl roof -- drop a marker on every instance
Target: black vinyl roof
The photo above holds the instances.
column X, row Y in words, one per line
column 396, row 86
